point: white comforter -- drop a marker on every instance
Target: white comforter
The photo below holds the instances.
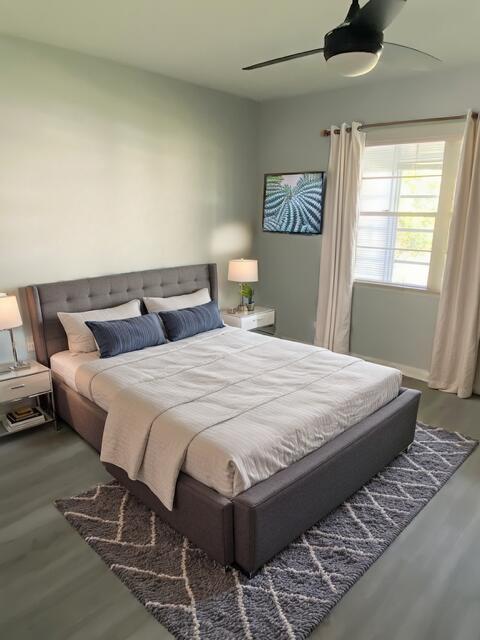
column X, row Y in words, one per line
column 230, row 407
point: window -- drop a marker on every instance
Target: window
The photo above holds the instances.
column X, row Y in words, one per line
column 405, row 209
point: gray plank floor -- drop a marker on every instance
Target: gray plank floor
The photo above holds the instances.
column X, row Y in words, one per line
column 53, row 587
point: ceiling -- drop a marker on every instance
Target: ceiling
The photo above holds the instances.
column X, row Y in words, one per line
column 208, row 41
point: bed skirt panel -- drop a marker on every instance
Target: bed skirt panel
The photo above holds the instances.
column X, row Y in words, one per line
column 257, row 524
column 84, row 416
column 200, row 513
column 276, row 511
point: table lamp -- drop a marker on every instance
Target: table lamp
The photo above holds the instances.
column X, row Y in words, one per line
column 243, row 272
column 10, row 318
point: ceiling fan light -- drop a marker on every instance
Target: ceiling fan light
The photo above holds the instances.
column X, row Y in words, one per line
column 354, row 63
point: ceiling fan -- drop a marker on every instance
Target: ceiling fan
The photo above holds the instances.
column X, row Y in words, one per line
column 355, row 46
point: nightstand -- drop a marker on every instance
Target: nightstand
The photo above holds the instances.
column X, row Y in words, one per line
column 30, row 387
column 261, row 320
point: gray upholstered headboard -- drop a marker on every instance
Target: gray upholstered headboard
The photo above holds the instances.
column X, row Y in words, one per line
column 44, row 300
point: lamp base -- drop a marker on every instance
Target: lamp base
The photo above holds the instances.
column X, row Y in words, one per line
column 18, row 366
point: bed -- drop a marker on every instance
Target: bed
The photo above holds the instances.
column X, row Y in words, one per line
column 239, row 513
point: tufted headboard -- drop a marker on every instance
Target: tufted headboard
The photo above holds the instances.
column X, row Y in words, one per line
column 44, row 300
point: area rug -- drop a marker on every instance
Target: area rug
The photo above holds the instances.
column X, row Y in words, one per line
column 195, row 598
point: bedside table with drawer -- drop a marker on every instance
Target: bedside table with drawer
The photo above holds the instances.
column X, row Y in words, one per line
column 30, row 387
column 262, row 319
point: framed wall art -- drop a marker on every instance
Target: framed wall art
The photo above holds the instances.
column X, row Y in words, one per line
column 293, row 202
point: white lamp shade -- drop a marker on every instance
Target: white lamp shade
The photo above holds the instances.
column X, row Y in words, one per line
column 243, row 270
column 9, row 313
column 354, row 63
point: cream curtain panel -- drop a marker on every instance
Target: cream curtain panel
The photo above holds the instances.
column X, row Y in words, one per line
column 338, row 239
column 457, row 333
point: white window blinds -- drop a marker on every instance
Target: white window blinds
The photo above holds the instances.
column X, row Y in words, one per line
column 405, row 209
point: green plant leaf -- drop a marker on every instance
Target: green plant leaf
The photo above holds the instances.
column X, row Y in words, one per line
column 246, row 291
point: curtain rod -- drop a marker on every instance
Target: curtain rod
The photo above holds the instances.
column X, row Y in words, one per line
column 374, row 125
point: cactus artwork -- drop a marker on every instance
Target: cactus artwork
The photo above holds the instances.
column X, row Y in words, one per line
column 293, row 203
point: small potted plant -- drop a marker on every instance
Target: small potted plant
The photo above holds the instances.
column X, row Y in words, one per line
column 247, row 295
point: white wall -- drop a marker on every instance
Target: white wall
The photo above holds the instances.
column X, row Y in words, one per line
column 387, row 324
column 105, row 169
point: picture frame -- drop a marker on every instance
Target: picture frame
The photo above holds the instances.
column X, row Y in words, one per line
column 293, row 202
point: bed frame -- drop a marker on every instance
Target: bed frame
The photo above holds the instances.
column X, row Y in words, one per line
column 251, row 528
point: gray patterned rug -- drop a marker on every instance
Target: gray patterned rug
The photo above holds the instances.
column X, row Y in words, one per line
column 195, row 598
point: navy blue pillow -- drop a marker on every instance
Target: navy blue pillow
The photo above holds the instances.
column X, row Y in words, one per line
column 121, row 336
column 183, row 323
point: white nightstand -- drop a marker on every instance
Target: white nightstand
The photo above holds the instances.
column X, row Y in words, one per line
column 26, row 387
column 262, row 320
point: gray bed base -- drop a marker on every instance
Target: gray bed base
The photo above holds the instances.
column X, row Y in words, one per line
column 251, row 528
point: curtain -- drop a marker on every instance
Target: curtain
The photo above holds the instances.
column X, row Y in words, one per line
column 338, row 239
column 457, row 332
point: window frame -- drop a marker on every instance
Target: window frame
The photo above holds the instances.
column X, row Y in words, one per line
column 442, row 217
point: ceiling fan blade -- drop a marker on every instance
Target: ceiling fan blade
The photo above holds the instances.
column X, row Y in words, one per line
column 397, row 58
column 292, row 56
column 353, row 11
column 376, row 15
column 419, row 51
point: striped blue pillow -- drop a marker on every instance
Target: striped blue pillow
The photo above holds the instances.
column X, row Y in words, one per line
column 183, row 323
column 121, row 336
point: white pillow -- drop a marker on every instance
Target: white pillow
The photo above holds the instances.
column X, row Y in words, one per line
column 154, row 305
column 80, row 338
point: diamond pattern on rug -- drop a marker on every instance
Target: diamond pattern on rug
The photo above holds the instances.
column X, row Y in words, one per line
column 195, row 598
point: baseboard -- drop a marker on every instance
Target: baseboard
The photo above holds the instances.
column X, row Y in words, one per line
column 410, row 372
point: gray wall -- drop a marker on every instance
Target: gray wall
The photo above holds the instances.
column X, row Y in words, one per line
column 392, row 325
column 104, row 169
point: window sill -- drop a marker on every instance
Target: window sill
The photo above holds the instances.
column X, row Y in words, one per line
column 396, row 287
